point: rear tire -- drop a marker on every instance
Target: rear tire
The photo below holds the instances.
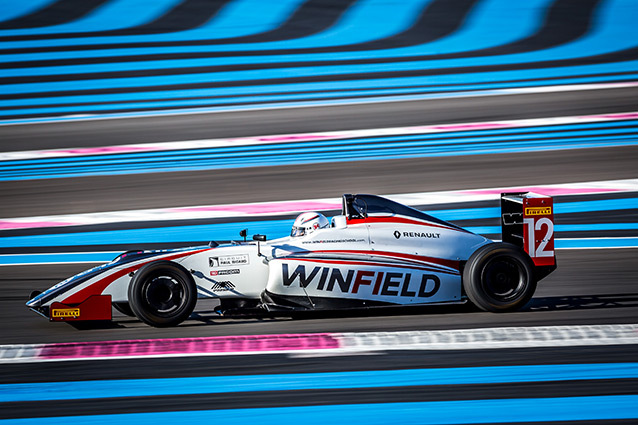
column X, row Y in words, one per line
column 162, row 294
column 499, row 277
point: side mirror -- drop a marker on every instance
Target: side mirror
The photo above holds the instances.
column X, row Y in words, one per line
column 259, row 238
column 243, row 233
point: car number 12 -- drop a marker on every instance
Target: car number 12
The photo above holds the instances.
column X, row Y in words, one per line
column 531, row 237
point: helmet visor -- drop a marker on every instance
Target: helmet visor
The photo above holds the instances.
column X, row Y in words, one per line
column 297, row 231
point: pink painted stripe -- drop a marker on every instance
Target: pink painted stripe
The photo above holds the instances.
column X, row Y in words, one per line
column 552, row 191
column 284, row 138
column 33, row 224
column 275, row 207
column 297, row 137
column 153, row 147
column 99, row 150
column 628, row 116
column 190, row 346
column 290, row 207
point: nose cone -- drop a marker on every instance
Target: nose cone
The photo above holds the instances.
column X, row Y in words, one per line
column 34, row 299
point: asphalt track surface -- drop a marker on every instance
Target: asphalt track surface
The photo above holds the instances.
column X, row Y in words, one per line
column 232, row 366
column 589, row 287
column 91, row 194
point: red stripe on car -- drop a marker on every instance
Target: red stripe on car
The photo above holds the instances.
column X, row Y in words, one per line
column 97, row 287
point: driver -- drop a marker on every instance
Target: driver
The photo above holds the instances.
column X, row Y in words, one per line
column 307, row 223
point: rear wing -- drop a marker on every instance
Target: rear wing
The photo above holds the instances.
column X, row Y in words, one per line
column 527, row 220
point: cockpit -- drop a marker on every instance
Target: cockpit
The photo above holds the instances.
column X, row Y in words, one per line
column 360, row 207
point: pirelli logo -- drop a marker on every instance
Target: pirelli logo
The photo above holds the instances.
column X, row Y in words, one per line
column 538, row 211
column 65, row 312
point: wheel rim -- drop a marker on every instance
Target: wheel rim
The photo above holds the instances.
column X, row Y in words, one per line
column 504, row 279
column 164, row 294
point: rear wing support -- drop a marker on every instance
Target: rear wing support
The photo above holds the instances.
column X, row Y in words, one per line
column 527, row 220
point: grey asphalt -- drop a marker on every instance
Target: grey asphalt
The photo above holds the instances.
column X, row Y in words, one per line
column 327, row 118
column 107, row 193
column 596, row 286
column 589, row 287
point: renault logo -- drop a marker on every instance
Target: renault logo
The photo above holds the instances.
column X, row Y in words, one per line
column 397, row 234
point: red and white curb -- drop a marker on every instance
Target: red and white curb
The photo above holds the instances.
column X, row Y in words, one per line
column 326, row 344
column 296, row 206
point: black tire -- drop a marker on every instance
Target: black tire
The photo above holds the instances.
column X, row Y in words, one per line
column 499, row 277
column 162, row 294
column 124, row 308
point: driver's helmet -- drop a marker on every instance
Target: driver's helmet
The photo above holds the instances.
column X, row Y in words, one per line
column 307, row 223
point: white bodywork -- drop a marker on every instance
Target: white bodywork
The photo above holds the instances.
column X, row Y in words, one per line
column 379, row 257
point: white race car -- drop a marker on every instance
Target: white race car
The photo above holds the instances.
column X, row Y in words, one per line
column 376, row 253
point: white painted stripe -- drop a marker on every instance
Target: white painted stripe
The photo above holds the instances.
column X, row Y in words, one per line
column 306, row 137
column 370, row 342
column 568, row 88
column 279, row 208
column 493, row 338
column 318, row 104
column 24, row 353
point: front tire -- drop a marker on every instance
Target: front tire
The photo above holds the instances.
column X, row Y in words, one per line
column 162, row 294
column 124, row 308
column 499, row 277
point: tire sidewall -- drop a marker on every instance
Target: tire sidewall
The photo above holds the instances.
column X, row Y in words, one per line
column 475, row 288
column 124, row 308
column 144, row 311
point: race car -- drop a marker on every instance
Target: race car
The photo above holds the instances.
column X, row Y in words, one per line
column 376, row 253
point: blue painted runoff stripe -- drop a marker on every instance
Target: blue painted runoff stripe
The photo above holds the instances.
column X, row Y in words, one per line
column 363, row 21
column 612, row 33
column 161, row 100
column 228, row 153
column 280, row 228
column 209, row 232
column 559, row 208
column 363, row 18
column 273, row 92
column 15, row 9
column 186, row 234
column 319, row 156
column 105, row 257
column 114, row 14
column 343, row 71
column 601, row 205
column 238, row 18
column 415, row 413
column 73, row 390
column 164, row 107
column 590, row 243
column 58, row 258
